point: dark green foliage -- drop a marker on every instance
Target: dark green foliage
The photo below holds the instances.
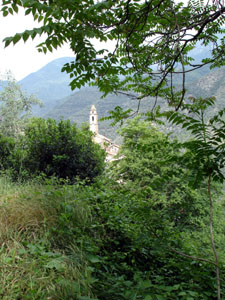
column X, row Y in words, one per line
column 7, row 147
column 142, row 228
column 208, row 148
column 127, row 258
column 62, row 150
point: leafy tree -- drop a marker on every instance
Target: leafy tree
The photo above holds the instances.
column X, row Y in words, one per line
column 61, row 150
column 151, row 40
column 208, row 148
column 152, row 168
column 170, row 177
column 15, row 107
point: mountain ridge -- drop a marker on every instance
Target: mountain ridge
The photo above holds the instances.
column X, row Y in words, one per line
column 52, row 87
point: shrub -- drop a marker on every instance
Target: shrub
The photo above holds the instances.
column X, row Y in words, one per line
column 7, row 146
column 61, row 150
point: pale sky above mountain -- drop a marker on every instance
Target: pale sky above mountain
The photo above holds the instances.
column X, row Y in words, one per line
column 23, row 59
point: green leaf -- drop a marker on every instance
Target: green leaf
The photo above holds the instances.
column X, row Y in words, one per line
column 94, row 259
column 27, row 11
column 182, row 294
column 10, row 10
column 7, row 41
column 148, row 297
column 15, row 7
column 57, row 264
column 145, row 284
column 49, row 47
column 25, row 36
column 16, row 38
column 5, row 13
column 160, row 297
column 40, row 18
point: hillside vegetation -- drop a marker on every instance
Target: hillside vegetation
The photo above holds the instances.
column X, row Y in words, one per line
column 149, row 225
column 137, row 230
column 88, row 242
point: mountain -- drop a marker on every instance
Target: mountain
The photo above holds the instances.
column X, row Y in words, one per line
column 212, row 84
column 49, row 84
column 52, row 87
column 76, row 107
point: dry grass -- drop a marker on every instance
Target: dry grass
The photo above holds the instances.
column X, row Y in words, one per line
column 30, row 268
column 24, row 211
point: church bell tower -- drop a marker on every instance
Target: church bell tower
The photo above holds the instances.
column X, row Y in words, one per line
column 93, row 120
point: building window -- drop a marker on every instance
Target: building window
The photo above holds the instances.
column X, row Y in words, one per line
column 93, row 118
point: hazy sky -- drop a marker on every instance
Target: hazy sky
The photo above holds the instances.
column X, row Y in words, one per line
column 23, row 58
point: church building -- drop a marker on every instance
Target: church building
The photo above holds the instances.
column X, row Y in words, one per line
column 110, row 147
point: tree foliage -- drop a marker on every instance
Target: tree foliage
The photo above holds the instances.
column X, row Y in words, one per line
column 61, row 150
column 152, row 167
column 7, row 147
column 175, row 180
column 151, row 40
column 15, row 107
column 208, row 144
column 209, row 150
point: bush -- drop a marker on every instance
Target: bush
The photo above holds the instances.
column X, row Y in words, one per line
column 7, row 146
column 61, row 150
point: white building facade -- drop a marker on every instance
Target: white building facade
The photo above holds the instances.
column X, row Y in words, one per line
column 110, row 147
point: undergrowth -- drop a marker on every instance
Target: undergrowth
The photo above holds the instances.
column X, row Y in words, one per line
column 31, row 264
column 87, row 242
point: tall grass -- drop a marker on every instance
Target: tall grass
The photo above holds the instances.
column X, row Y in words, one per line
column 34, row 263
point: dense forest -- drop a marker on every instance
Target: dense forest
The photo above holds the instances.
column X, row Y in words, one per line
column 150, row 224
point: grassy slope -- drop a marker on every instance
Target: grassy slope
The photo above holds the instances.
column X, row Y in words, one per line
column 52, row 248
column 31, row 266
